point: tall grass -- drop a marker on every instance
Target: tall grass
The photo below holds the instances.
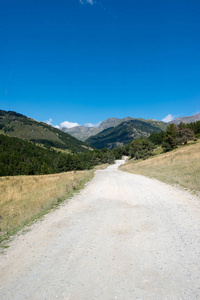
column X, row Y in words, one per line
column 181, row 166
column 25, row 198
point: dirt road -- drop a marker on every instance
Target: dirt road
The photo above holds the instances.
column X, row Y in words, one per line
column 123, row 237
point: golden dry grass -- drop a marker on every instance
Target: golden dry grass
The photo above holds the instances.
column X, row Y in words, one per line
column 181, row 166
column 24, row 198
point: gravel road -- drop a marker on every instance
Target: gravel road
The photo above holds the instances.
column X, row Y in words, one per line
column 123, row 237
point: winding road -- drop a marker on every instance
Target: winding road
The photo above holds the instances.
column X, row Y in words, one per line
column 123, row 237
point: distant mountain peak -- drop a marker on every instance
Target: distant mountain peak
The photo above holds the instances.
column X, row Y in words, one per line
column 186, row 119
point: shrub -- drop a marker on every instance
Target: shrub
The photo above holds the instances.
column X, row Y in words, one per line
column 141, row 149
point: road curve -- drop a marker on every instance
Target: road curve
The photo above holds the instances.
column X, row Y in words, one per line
column 123, row 237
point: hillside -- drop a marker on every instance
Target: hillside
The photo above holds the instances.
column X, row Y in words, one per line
column 17, row 125
column 20, row 157
column 190, row 119
column 83, row 133
column 180, row 166
column 122, row 134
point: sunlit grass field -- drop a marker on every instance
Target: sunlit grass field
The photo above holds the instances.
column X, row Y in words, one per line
column 25, row 198
column 179, row 167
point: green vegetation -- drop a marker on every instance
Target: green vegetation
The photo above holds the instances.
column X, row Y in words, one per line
column 157, row 138
column 141, row 149
column 18, row 157
column 17, row 125
column 176, row 135
column 122, row 134
column 170, row 139
column 159, row 124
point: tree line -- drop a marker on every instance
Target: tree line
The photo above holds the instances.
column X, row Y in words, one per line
column 19, row 157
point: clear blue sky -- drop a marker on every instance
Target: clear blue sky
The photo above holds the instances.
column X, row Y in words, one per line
column 84, row 61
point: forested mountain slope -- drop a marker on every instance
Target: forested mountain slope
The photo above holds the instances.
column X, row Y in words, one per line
column 17, row 125
column 122, row 134
column 83, row 133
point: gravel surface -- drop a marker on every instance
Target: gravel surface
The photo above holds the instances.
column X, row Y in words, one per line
column 123, row 237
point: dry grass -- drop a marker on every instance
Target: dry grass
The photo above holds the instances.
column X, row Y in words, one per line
column 25, row 198
column 181, row 166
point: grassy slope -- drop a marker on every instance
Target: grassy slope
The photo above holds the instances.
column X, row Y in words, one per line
column 17, row 125
column 25, row 198
column 159, row 124
column 181, row 166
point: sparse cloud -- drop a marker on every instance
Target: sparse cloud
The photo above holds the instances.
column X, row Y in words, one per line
column 49, row 122
column 168, row 118
column 87, row 1
column 67, row 124
column 92, row 125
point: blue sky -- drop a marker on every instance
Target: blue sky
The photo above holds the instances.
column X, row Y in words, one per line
column 83, row 61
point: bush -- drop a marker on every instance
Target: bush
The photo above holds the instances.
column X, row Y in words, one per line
column 157, row 138
column 141, row 149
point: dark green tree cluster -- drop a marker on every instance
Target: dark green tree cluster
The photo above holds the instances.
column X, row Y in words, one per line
column 80, row 161
column 19, row 157
column 157, row 138
column 195, row 127
column 177, row 135
column 141, row 148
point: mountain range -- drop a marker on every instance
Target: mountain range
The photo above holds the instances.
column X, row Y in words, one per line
column 123, row 134
column 83, row 133
column 110, row 133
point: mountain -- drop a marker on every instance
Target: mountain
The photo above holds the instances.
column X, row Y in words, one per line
column 190, row 119
column 17, row 125
column 159, row 124
column 83, row 133
column 122, row 134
